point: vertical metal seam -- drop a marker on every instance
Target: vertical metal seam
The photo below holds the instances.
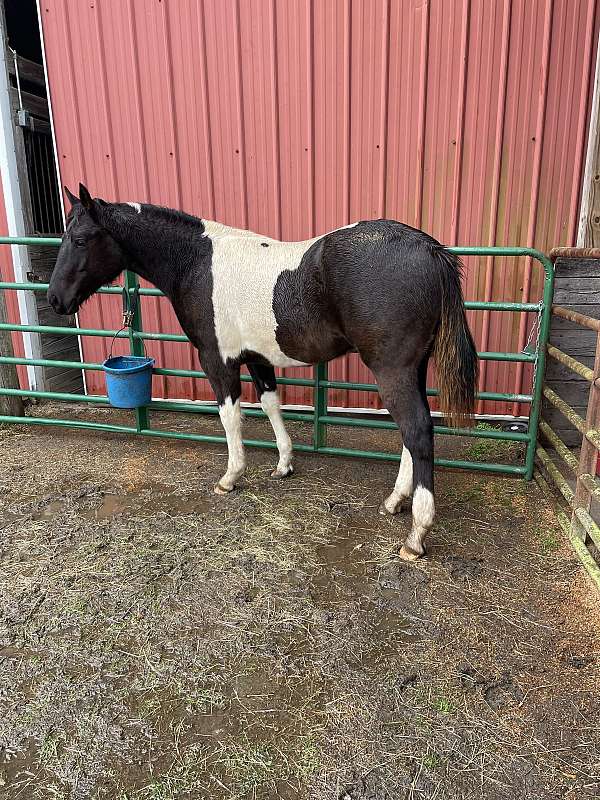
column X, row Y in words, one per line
column 283, row 391
column 104, row 89
column 382, row 204
column 143, row 144
column 311, row 128
column 348, row 110
column 175, row 145
column 242, row 119
column 277, row 121
column 422, row 117
column 580, row 148
column 460, row 132
column 537, row 170
column 77, row 126
column 171, row 95
column 497, row 172
column 567, row 45
column 347, row 142
column 138, row 96
column 206, row 109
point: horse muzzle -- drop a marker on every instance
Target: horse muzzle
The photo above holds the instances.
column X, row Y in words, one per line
column 62, row 307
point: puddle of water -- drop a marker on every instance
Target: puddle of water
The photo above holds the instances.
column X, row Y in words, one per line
column 11, row 651
column 146, row 500
column 9, row 517
column 50, row 511
column 345, row 576
column 344, row 573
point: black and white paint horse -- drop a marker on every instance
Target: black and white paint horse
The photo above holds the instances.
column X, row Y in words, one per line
column 386, row 289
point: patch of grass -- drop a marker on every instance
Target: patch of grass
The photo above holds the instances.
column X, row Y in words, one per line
column 431, row 761
column 308, row 760
column 205, row 700
column 485, row 449
column 182, row 779
column 48, row 752
column 149, row 707
column 548, row 541
column 250, row 766
column 444, row 705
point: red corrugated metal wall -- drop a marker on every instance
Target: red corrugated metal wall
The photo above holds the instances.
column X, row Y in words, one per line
column 466, row 118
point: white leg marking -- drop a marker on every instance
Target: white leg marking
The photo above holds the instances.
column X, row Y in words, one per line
column 137, row 207
column 231, row 417
column 403, row 485
column 270, row 405
column 423, row 509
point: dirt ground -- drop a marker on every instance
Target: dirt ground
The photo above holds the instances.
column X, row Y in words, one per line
column 158, row 641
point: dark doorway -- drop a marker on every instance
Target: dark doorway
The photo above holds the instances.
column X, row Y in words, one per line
column 40, row 192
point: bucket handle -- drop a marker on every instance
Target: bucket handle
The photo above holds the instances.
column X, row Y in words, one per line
column 130, row 301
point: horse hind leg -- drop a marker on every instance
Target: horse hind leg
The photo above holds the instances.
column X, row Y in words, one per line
column 402, row 488
column 265, row 384
column 407, row 403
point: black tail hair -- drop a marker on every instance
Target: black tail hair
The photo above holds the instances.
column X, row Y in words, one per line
column 453, row 348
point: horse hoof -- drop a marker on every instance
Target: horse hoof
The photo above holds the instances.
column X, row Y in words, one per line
column 408, row 554
column 384, row 510
column 286, row 473
column 220, row 489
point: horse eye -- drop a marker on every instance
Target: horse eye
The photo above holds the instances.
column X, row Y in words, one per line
column 79, row 242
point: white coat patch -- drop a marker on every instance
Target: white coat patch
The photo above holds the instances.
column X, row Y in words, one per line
column 137, row 206
column 244, row 273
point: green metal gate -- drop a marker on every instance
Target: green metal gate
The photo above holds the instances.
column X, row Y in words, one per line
column 319, row 419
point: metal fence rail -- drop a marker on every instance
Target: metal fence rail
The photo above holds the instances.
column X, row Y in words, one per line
column 319, row 418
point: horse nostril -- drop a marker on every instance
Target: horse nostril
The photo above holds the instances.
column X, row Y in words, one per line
column 55, row 303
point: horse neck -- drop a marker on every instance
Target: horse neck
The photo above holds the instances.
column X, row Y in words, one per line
column 162, row 250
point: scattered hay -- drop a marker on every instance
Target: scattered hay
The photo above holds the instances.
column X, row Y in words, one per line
column 157, row 642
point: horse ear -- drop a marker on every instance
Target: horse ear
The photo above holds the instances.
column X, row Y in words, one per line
column 85, row 197
column 73, row 199
column 88, row 202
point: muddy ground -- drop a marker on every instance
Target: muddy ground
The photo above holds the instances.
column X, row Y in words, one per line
column 159, row 642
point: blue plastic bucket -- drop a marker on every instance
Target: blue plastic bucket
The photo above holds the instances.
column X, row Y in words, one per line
column 128, row 381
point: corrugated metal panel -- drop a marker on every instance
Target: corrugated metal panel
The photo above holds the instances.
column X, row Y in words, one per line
column 466, row 118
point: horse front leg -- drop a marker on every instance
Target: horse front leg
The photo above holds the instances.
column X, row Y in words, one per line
column 225, row 381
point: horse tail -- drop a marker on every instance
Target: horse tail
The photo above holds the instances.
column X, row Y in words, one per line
column 453, row 348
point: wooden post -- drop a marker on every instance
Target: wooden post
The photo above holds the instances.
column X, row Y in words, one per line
column 589, row 454
column 10, row 405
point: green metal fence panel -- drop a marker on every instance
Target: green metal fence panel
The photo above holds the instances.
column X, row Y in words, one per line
column 319, row 419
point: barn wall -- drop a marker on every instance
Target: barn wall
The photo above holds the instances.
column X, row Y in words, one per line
column 293, row 117
column 12, row 308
